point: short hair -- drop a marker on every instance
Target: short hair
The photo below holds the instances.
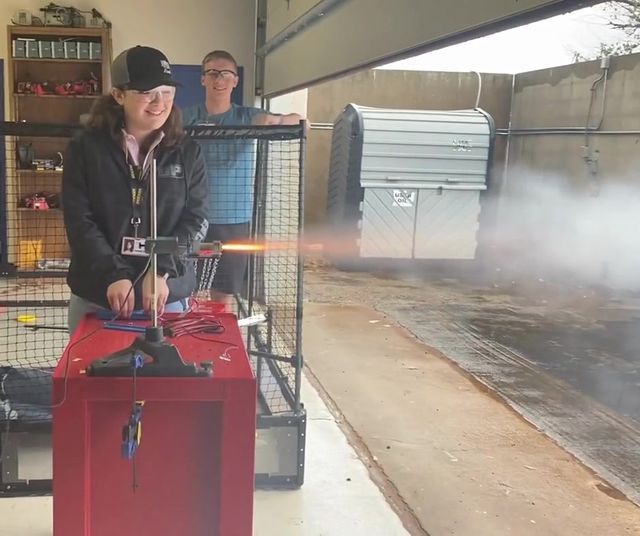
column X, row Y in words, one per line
column 219, row 55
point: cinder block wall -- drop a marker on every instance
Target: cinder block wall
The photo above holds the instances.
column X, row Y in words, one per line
column 561, row 203
column 569, row 206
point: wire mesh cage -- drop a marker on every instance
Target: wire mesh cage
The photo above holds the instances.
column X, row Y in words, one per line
column 260, row 266
column 33, row 294
column 272, row 283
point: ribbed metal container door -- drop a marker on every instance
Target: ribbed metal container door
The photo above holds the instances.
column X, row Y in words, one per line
column 388, row 221
column 446, row 224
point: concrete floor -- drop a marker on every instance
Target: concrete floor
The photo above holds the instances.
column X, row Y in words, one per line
column 338, row 496
column 412, row 434
column 462, row 460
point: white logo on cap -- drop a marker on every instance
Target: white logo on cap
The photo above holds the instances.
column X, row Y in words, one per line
column 165, row 66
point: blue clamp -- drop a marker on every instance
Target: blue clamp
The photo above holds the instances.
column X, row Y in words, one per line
column 137, row 361
column 132, row 432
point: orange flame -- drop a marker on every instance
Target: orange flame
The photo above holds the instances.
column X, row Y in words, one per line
column 249, row 247
column 260, row 246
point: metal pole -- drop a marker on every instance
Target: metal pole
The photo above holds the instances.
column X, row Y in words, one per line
column 300, row 274
column 153, row 267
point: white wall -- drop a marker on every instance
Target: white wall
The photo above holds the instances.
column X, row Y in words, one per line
column 185, row 30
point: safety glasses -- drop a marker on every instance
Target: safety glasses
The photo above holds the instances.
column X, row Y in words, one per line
column 164, row 93
column 225, row 74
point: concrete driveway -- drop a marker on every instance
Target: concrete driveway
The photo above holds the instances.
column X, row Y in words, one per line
column 431, row 381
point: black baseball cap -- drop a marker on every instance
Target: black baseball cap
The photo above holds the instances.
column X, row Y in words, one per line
column 141, row 68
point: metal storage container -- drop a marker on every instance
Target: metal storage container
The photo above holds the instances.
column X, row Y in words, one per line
column 406, row 184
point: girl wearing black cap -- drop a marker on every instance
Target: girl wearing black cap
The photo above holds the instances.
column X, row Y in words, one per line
column 105, row 192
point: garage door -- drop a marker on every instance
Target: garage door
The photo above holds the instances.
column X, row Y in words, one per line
column 307, row 41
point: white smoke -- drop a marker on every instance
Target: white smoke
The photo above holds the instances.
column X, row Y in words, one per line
column 547, row 225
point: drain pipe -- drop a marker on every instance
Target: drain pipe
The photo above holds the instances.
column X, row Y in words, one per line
column 505, row 174
column 589, row 154
column 503, row 191
column 479, row 89
column 604, row 65
column 585, row 130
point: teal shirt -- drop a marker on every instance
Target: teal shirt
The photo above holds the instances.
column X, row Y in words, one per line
column 231, row 164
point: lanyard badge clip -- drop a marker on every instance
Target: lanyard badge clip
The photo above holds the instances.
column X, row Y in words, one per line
column 135, row 222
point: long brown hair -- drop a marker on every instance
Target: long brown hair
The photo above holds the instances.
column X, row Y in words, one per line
column 107, row 115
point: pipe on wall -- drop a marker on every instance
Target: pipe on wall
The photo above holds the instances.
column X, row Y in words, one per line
column 479, row 89
column 565, row 130
column 524, row 131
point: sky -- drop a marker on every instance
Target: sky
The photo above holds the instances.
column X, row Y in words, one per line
column 539, row 45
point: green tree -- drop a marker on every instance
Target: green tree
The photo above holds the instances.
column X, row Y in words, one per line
column 622, row 15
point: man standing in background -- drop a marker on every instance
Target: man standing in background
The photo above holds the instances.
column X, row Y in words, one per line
column 230, row 167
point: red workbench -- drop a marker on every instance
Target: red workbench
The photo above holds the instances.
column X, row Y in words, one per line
column 195, row 462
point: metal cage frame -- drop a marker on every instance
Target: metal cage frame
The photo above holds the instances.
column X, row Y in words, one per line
column 281, row 420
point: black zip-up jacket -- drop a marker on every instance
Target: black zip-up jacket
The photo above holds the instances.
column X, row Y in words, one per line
column 98, row 207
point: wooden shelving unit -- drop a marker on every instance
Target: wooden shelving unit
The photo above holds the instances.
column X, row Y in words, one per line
column 39, row 234
column 26, row 96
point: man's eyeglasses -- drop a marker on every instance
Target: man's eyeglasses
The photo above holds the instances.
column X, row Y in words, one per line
column 224, row 74
column 163, row 93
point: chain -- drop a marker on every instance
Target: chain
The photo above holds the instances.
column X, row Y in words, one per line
column 209, row 269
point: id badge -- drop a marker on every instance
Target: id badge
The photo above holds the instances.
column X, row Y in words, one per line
column 133, row 246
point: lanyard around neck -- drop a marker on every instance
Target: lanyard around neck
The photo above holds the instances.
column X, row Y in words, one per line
column 139, row 185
